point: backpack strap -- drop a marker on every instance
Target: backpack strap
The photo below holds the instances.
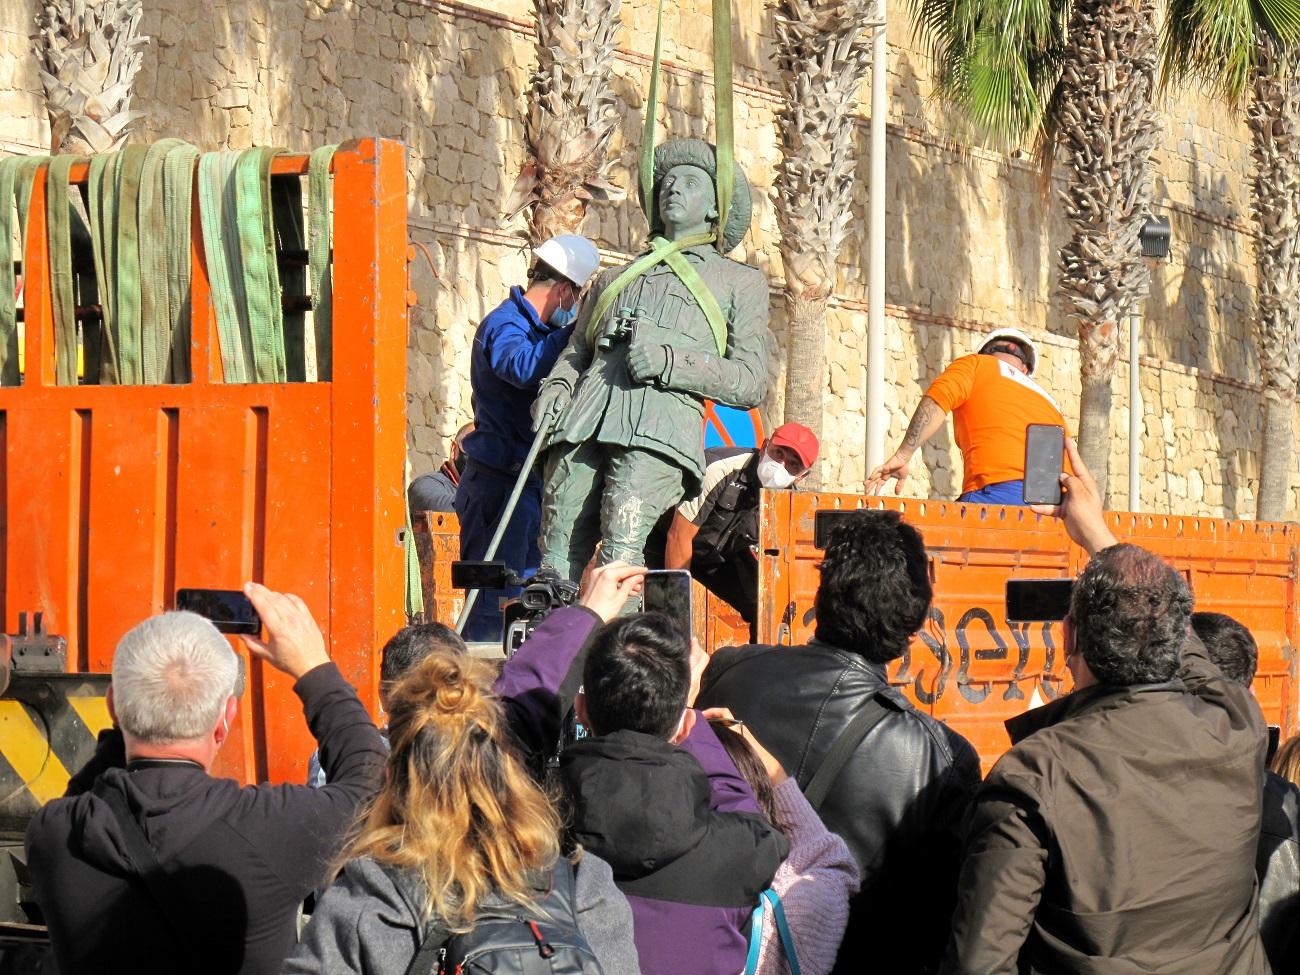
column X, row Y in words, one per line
column 428, row 960
column 770, row 899
column 151, row 873
column 842, row 749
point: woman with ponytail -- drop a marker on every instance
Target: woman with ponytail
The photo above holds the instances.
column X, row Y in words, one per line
column 460, row 829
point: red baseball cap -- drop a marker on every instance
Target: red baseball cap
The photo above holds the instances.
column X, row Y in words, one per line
column 798, row 438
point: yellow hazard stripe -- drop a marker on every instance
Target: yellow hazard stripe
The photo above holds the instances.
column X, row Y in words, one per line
column 93, row 712
column 26, row 749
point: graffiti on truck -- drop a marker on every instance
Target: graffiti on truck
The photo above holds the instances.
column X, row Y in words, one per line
column 979, row 639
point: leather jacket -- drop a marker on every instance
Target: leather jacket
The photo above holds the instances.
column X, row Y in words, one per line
column 898, row 803
column 1277, row 865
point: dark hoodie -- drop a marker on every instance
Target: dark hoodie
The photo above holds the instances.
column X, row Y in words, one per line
column 679, row 826
column 239, row 860
column 691, row 875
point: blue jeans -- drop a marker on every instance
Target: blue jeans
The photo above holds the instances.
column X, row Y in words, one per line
column 480, row 502
column 1004, row 492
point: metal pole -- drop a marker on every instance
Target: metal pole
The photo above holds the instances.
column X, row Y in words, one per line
column 1134, row 415
column 520, row 481
column 876, row 419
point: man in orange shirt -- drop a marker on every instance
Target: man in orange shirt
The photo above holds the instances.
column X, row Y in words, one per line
column 992, row 399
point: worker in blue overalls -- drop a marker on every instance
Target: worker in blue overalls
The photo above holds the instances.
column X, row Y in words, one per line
column 514, row 349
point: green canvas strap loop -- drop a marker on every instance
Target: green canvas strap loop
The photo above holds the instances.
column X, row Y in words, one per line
column 178, row 195
column 217, row 217
column 62, row 291
column 126, row 290
column 319, row 221
column 723, row 122
column 265, row 321
column 102, row 237
column 414, row 583
column 164, row 256
column 16, row 176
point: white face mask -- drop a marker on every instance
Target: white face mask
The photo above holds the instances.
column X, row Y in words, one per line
column 773, row 475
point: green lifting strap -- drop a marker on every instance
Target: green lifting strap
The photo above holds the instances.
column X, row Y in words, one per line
column 723, row 123
column 17, row 173
column 319, row 221
column 219, row 221
column 62, row 290
column 723, row 181
column 261, row 275
column 663, row 251
column 166, row 183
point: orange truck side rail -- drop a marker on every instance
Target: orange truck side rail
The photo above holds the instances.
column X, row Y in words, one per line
column 972, row 668
column 116, row 496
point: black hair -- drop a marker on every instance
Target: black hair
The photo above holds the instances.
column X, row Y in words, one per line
column 542, row 272
column 1130, row 612
column 411, row 644
column 637, row 675
column 1229, row 644
column 875, row 586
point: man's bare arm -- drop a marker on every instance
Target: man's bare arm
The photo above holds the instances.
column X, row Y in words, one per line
column 925, row 423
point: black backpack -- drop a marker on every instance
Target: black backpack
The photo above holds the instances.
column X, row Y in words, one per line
column 509, row 939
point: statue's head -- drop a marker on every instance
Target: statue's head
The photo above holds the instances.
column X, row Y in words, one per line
column 684, row 175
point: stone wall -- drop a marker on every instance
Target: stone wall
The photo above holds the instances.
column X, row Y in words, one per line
column 973, row 235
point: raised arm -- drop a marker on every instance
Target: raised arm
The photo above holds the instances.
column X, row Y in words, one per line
column 925, row 423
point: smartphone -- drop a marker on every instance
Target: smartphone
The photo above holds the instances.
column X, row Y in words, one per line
column 1038, row 600
column 1044, row 462
column 229, row 609
column 668, row 591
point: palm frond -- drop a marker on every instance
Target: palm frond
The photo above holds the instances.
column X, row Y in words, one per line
column 1214, row 42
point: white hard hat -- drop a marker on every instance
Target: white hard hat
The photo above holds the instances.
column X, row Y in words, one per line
column 1013, row 335
column 573, row 256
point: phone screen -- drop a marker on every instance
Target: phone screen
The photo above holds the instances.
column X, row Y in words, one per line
column 668, row 591
column 228, row 609
column 1038, row 600
column 1044, row 462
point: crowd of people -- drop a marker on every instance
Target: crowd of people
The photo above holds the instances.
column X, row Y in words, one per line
column 764, row 810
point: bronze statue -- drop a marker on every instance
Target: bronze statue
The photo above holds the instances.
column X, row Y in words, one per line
column 685, row 324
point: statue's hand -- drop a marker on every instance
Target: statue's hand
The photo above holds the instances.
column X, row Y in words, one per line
column 551, row 400
column 646, row 360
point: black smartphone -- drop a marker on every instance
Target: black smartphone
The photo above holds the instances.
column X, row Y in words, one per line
column 668, row 591
column 1044, row 462
column 1038, row 600
column 229, row 609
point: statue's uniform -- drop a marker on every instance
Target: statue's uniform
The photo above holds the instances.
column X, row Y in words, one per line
column 623, row 453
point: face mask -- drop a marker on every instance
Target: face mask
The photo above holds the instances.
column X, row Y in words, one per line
column 564, row 317
column 774, row 475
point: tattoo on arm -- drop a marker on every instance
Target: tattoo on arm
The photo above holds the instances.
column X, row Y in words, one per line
column 925, row 414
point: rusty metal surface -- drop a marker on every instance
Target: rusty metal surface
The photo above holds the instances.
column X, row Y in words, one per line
column 116, row 496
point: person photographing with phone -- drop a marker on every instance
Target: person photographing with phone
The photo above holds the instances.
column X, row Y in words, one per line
column 993, row 399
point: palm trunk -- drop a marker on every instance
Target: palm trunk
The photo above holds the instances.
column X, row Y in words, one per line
column 1275, row 456
column 1274, row 119
column 805, row 377
column 1107, row 128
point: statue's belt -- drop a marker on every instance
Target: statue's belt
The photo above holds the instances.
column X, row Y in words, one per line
column 668, row 252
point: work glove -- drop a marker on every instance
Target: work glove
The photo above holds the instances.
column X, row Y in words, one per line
column 646, row 360
column 551, row 400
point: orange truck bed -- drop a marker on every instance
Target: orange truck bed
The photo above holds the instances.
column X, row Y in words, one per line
column 116, row 496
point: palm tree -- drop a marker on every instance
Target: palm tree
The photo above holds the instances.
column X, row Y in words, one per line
column 571, row 119
column 1248, row 54
column 1077, row 78
column 90, row 55
column 823, row 51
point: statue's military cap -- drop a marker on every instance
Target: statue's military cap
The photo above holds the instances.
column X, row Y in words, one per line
column 697, row 152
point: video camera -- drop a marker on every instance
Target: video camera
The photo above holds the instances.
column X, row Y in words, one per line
column 542, row 593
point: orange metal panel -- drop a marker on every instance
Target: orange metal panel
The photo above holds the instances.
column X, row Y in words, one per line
column 974, row 670
column 114, row 497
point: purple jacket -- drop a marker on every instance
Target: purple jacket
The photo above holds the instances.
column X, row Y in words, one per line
column 678, row 825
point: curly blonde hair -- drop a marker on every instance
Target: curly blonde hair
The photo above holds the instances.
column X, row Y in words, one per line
column 459, row 808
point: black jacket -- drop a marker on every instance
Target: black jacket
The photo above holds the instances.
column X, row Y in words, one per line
column 692, row 875
column 898, row 803
column 240, row 860
column 1278, row 867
